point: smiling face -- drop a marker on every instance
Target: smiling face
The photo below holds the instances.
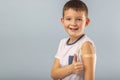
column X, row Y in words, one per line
column 74, row 22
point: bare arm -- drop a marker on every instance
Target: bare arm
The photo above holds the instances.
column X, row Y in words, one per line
column 59, row 73
column 88, row 56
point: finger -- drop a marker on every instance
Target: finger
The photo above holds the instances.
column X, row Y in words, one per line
column 79, row 64
column 78, row 71
column 80, row 67
column 75, row 58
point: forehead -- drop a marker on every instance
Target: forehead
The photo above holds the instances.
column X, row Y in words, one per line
column 72, row 12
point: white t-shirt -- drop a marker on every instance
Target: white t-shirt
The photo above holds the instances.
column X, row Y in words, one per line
column 65, row 50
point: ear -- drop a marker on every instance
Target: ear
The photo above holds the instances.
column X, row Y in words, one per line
column 87, row 22
column 62, row 21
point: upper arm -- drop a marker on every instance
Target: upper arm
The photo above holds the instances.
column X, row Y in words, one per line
column 56, row 65
column 88, row 57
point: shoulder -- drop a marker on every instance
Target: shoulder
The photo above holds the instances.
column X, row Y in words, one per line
column 88, row 48
column 86, row 43
column 64, row 40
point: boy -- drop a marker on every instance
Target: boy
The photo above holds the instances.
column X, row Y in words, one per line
column 75, row 58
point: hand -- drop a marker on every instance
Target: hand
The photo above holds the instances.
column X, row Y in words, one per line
column 77, row 67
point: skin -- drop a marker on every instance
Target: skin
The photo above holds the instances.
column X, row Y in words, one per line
column 74, row 23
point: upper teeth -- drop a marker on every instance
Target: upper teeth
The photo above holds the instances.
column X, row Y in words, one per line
column 74, row 28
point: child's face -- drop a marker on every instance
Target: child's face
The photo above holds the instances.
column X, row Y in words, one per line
column 74, row 22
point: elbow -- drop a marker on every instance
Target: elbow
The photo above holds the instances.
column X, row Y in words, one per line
column 53, row 76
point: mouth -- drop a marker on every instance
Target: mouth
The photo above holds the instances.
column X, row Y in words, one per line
column 74, row 29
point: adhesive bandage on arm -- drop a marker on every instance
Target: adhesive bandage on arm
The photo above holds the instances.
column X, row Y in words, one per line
column 88, row 55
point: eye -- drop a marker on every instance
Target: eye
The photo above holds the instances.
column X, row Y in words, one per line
column 68, row 19
column 79, row 19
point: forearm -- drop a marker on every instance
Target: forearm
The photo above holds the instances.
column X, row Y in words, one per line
column 62, row 72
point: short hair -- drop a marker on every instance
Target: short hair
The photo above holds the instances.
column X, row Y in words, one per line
column 76, row 5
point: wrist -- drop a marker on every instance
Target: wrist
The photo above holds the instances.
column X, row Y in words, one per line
column 71, row 68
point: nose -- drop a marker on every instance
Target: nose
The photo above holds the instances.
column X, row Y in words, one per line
column 73, row 22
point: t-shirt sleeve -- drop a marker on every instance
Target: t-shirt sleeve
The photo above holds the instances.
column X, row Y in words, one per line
column 58, row 54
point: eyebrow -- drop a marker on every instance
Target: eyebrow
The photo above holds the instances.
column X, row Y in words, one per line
column 75, row 17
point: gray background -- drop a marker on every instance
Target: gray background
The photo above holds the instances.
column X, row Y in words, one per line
column 30, row 31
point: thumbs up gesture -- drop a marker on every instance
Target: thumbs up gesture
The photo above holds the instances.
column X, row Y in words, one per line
column 77, row 67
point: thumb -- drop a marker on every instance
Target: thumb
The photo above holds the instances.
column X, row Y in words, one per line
column 75, row 58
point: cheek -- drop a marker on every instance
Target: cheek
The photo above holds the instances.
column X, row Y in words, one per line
column 82, row 24
column 66, row 25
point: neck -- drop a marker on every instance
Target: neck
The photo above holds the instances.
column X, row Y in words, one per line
column 73, row 39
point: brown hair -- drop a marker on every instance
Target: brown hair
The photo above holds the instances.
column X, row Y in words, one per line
column 77, row 5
